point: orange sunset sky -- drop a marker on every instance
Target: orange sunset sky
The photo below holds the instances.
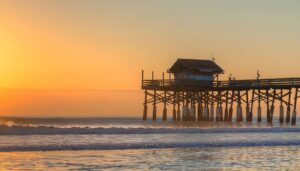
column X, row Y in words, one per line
column 82, row 58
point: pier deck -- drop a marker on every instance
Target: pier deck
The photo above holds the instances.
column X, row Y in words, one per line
column 198, row 85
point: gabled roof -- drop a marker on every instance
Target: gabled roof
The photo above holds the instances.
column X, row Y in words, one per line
column 196, row 66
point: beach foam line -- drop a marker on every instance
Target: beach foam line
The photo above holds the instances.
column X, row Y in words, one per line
column 42, row 130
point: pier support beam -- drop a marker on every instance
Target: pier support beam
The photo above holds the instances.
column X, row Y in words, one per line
column 206, row 113
column 187, row 108
column 154, row 113
column 281, row 113
column 239, row 114
column 178, row 118
column 288, row 109
column 251, row 109
column 247, row 106
column 268, row 107
column 221, row 112
column 174, row 106
column 293, row 122
column 174, row 114
column 154, row 107
column 165, row 107
column 183, row 113
column 200, row 108
column 281, row 110
column 184, row 106
column 272, row 106
column 145, row 107
column 192, row 113
column 212, row 112
column 178, row 114
column 239, row 117
column 207, row 106
column 226, row 117
column 259, row 114
column 217, row 116
column 193, row 107
column 231, row 106
column 259, row 107
column 220, row 107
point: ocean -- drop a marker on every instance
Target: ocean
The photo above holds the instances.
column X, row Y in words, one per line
column 133, row 144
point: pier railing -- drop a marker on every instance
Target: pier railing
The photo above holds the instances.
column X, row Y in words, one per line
column 230, row 84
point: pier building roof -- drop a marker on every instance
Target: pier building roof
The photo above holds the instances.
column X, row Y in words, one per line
column 196, row 66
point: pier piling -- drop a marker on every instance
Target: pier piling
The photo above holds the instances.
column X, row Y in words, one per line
column 272, row 106
column 200, row 108
column 293, row 122
column 288, row 110
column 268, row 107
column 247, row 106
column 154, row 107
column 259, row 107
column 251, row 108
column 281, row 110
column 239, row 117
column 231, row 106
column 174, row 106
column 165, row 108
column 145, row 107
column 226, row 117
column 178, row 118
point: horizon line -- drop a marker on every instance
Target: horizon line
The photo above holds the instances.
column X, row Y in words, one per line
column 71, row 89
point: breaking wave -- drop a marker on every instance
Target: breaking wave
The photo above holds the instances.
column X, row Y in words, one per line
column 50, row 130
column 124, row 146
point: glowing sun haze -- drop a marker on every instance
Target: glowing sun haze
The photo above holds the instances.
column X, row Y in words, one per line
column 56, row 55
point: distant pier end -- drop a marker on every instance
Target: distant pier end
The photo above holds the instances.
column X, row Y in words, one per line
column 195, row 93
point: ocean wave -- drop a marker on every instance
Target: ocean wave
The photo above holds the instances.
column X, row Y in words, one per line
column 45, row 130
column 125, row 146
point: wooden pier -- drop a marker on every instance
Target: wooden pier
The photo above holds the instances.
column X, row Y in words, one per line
column 208, row 99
